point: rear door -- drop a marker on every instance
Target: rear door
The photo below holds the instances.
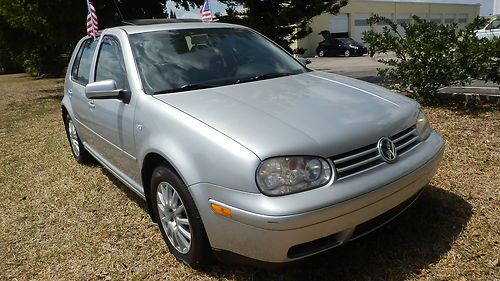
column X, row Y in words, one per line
column 80, row 76
column 336, row 47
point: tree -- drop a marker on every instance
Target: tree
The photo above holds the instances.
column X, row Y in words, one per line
column 282, row 21
column 57, row 25
column 27, row 22
column 429, row 56
column 35, row 33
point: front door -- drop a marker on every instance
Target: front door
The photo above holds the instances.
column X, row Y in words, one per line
column 494, row 29
column 112, row 120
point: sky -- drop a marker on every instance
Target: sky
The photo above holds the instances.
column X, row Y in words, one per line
column 194, row 13
column 486, row 9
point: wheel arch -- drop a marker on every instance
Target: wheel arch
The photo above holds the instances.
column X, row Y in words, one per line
column 150, row 162
column 66, row 108
column 64, row 113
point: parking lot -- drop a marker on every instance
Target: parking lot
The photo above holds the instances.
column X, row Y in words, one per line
column 364, row 68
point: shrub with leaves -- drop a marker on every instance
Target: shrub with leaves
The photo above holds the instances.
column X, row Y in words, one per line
column 429, row 56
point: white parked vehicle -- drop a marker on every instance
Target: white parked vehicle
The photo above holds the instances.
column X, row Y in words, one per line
column 490, row 31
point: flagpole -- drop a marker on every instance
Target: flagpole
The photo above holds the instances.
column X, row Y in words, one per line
column 93, row 25
column 119, row 12
column 206, row 11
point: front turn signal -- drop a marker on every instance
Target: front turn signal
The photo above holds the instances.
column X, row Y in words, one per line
column 223, row 211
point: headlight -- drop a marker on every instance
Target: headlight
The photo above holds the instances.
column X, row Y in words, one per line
column 354, row 47
column 423, row 126
column 286, row 175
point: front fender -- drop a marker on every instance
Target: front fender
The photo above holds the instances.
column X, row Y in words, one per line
column 198, row 152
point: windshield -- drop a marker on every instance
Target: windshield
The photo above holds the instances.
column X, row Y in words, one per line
column 179, row 60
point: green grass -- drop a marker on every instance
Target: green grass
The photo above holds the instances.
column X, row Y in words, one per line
column 63, row 221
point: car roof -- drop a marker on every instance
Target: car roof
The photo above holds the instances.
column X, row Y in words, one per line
column 134, row 29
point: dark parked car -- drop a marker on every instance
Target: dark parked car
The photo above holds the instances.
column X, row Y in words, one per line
column 340, row 47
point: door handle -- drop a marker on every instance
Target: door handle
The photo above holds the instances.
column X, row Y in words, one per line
column 70, row 93
column 91, row 104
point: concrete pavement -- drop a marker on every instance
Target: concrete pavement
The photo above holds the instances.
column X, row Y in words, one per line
column 365, row 68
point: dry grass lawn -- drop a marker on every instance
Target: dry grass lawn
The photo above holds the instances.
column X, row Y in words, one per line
column 63, row 221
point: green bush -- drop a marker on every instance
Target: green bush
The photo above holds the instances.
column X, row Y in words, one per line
column 429, row 56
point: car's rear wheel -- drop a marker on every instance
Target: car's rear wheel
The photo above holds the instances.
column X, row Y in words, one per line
column 81, row 154
column 321, row 53
column 178, row 219
column 347, row 53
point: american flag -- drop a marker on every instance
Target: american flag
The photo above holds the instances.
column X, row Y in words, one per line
column 92, row 26
column 206, row 14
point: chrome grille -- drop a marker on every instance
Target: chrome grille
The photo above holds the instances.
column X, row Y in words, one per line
column 368, row 157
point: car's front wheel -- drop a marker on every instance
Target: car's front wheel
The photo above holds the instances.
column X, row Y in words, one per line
column 81, row 154
column 347, row 53
column 321, row 53
column 178, row 219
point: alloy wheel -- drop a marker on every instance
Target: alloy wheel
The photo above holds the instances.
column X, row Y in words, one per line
column 73, row 137
column 173, row 217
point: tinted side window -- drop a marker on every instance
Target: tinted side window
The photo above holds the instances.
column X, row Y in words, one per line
column 81, row 66
column 76, row 63
column 495, row 24
column 110, row 63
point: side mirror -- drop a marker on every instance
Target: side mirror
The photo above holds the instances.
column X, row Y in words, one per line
column 304, row 61
column 105, row 89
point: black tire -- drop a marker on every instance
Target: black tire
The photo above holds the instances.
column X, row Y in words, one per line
column 82, row 156
column 347, row 53
column 321, row 53
column 200, row 253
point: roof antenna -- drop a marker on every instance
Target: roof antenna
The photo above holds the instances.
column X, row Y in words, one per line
column 119, row 12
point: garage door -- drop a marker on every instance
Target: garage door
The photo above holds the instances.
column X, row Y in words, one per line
column 462, row 20
column 360, row 26
column 449, row 18
column 401, row 19
column 380, row 26
column 435, row 18
column 339, row 23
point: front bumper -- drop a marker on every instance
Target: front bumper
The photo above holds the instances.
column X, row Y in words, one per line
column 360, row 51
column 287, row 228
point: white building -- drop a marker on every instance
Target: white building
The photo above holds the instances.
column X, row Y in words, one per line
column 351, row 20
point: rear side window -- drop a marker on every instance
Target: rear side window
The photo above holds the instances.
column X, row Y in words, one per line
column 81, row 67
column 110, row 64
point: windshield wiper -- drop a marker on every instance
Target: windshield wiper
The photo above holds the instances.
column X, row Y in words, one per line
column 187, row 87
column 264, row 77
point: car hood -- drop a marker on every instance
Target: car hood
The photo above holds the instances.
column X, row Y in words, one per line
column 313, row 113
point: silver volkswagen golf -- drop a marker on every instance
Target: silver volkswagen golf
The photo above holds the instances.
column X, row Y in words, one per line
column 238, row 149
